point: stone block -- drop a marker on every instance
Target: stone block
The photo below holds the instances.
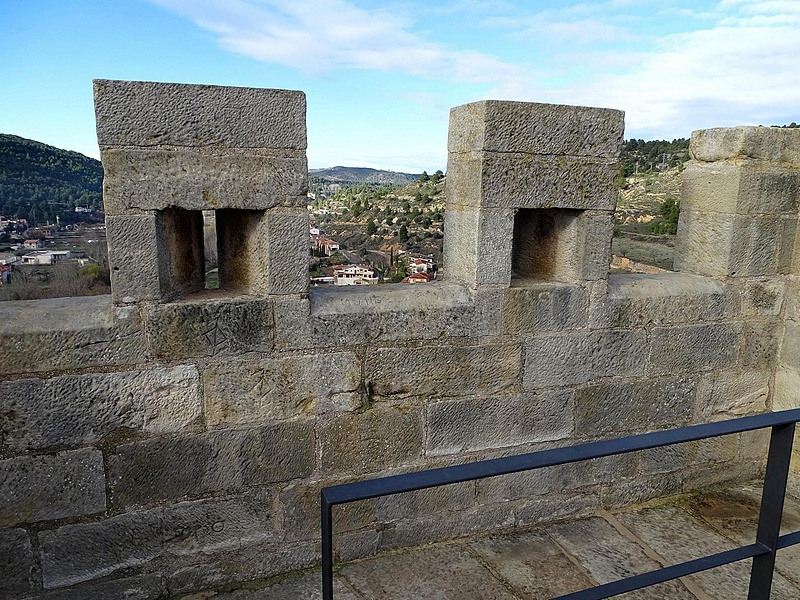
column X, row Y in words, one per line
column 300, row 512
column 43, row 488
column 540, row 483
column 487, row 311
column 428, row 503
column 594, row 245
column 478, row 245
column 526, row 181
column 17, row 564
column 285, row 235
column 641, row 488
column 141, row 587
column 400, row 374
column 791, row 298
column 754, row 446
column 747, row 143
column 195, row 328
column 703, row 243
column 164, row 539
column 202, row 179
column 150, row 114
column 436, row 528
column 674, row 458
column 388, row 313
column 716, row 244
column 534, row 128
column 252, row 392
column 628, row 406
column 734, row 393
column 693, row 348
column 756, row 246
column 483, row 423
column 534, row 181
column 292, row 321
column 790, row 348
column 712, row 187
column 68, row 333
column 378, row 439
column 226, row 460
column 133, row 257
column 576, row 358
column 75, row 410
column 638, row 300
column 788, row 254
column 763, row 297
column 739, row 188
column 555, row 507
column 544, row 307
column 760, row 343
column 226, row 568
column 771, row 190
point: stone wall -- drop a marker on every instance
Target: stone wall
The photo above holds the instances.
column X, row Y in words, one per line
column 167, row 439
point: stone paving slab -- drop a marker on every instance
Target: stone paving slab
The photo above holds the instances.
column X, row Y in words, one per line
column 307, row 586
column 560, row 558
column 447, row 572
column 609, row 556
column 533, row 564
column 678, row 537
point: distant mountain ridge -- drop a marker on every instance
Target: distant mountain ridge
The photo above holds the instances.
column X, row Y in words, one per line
column 38, row 182
column 362, row 175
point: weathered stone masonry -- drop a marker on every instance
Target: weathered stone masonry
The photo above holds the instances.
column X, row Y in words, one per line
column 168, row 439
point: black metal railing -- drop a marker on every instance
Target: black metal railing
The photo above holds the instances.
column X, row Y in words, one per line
column 762, row 551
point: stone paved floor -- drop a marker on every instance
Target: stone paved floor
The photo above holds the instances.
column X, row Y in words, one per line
column 564, row 557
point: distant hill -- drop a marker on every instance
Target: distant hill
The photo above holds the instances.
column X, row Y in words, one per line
column 38, row 182
column 355, row 175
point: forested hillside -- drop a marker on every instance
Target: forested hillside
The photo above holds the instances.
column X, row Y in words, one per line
column 38, row 182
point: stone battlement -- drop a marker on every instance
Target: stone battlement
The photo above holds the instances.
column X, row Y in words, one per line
column 167, row 439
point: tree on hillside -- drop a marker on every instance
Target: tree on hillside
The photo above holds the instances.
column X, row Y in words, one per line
column 372, row 228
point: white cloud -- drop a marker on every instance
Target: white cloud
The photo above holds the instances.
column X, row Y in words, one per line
column 714, row 77
column 740, row 69
column 319, row 36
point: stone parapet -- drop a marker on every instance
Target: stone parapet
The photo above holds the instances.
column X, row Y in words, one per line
column 166, row 438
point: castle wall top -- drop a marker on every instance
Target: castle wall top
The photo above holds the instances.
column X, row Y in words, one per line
column 149, row 114
column 760, row 143
column 535, row 128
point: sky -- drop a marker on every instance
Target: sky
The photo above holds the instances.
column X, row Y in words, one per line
column 381, row 77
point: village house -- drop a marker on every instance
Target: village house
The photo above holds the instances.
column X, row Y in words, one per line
column 416, row 278
column 32, row 244
column 46, row 257
column 354, row 275
column 324, row 243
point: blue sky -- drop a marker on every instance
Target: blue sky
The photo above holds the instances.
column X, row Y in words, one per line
column 380, row 77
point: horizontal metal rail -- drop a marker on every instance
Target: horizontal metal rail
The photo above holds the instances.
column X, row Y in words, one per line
column 762, row 551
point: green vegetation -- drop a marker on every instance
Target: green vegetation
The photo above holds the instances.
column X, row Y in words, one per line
column 667, row 222
column 639, row 156
column 39, row 182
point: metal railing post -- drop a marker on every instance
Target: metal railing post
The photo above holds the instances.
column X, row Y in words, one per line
column 769, row 519
column 327, row 547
